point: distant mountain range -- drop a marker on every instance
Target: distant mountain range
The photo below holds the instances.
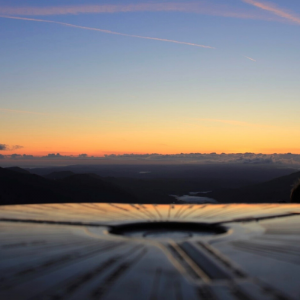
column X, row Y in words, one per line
column 276, row 190
column 19, row 186
column 59, row 175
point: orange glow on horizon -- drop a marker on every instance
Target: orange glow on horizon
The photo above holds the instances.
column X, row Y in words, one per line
column 40, row 135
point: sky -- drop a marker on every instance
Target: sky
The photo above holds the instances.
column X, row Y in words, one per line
column 141, row 77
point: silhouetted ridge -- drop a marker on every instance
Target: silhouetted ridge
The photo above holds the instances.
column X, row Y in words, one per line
column 276, row 190
column 89, row 186
column 59, row 175
column 18, row 169
column 66, row 186
column 21, row 188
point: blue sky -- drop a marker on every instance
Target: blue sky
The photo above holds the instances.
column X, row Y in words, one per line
column 75, row 81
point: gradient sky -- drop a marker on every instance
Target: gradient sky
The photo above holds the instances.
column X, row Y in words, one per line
column 183, row 76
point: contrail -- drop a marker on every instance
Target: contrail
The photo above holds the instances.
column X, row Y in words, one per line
column 250, row 58
column 107, row 31
column 275, row 10
column 202, row 7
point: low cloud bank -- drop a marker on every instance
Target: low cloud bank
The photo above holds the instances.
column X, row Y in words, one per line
column 287, row 159
column 233, row 158
column 4, row 147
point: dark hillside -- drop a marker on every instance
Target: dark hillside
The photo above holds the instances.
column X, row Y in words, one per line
column 90, row 188
column 18, row 169
column 20, row 188
column 223, row 176
column 158, row 190
column 273, row 191
column 59, row 175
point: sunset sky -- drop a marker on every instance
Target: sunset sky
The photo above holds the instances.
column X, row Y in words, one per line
column 119, row 76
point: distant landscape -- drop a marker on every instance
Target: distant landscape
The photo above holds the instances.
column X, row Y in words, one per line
column 147, row 184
